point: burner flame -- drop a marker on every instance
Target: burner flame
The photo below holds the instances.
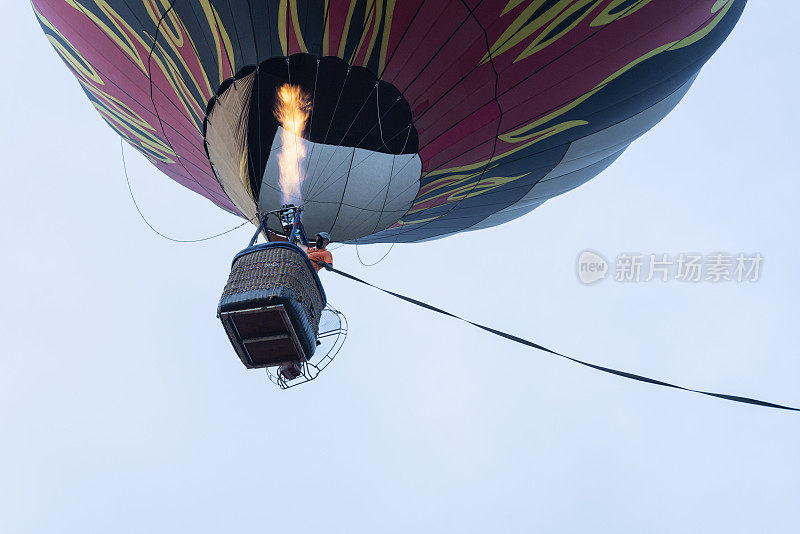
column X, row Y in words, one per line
column 292, row 112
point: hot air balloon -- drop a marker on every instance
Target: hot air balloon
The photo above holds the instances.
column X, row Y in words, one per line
column 424, row 118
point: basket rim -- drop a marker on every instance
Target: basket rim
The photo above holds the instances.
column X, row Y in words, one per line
column 289, row 246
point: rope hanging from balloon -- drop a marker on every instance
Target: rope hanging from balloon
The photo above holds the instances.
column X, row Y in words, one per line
column 596, row 367
column 138, row 209
column 376, row 262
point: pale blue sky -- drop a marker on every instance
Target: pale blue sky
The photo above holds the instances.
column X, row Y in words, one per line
column 123, row 408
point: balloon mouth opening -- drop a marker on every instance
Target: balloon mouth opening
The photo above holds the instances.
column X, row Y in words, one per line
column 348, row 106
column 318, row 132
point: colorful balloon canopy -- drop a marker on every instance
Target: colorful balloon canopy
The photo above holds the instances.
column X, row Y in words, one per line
column 428, row 117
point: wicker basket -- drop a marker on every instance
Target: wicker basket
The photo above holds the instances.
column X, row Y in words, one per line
column 274, row 274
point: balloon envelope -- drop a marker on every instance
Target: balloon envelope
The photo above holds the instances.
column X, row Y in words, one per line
column 428, row 117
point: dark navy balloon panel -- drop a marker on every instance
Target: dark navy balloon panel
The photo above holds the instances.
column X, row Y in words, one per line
column 428, row 117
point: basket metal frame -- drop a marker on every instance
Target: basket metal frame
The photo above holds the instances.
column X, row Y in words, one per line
column 311, row 369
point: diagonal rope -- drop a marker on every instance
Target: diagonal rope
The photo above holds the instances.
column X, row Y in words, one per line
column 596, row 367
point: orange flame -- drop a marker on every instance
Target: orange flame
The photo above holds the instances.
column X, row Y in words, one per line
column 291, row 111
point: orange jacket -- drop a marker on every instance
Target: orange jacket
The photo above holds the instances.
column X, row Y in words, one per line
column 319, row 255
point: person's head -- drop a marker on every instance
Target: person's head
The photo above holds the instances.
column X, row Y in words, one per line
column 323, row 238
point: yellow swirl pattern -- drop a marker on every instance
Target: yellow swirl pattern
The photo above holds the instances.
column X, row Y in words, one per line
column 457, row 183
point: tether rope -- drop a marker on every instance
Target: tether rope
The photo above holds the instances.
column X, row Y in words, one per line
column 527, row 343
